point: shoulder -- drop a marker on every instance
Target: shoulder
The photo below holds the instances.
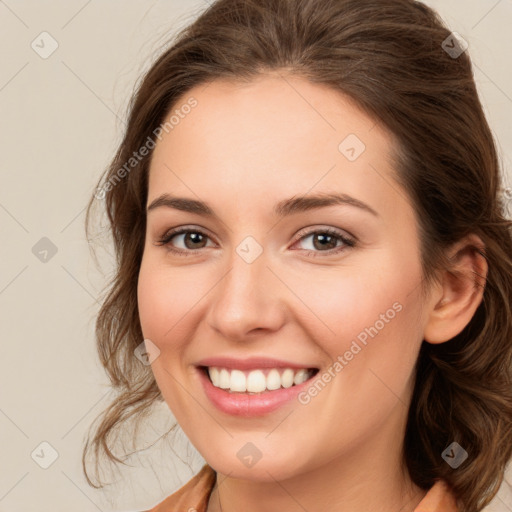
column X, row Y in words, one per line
column 193, row 495
column 439, row 498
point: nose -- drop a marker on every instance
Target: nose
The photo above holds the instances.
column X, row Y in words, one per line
column 248, row 300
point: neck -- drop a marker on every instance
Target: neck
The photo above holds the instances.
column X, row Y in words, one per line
column 316, row 493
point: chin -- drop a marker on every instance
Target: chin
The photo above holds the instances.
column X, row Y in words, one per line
column 268, row 468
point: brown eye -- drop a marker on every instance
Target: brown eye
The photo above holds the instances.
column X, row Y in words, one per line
column 191, row 240
column 326, row 241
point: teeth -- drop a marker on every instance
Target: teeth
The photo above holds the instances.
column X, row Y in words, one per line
column 287, row 378
column 238, row 381
column 300, row 377
column 224, row 379
column 273, row 380
column 257, row 381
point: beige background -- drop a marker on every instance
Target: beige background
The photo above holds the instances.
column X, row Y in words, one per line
column 61, row 118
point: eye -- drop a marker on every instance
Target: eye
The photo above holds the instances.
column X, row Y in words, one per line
column 325, row 240
column 195, row 239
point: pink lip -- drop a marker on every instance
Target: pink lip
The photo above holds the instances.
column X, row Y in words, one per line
column 245, row 404
column 251, row 363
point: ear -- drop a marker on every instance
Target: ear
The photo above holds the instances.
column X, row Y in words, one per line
column 460, row 291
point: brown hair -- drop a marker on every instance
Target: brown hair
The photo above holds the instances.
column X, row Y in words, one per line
column 389, row 56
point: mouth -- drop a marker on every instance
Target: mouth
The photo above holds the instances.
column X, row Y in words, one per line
column 256, row 381
column 254, row 386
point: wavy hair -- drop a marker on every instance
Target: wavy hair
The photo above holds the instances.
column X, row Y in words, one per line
column 392, row 58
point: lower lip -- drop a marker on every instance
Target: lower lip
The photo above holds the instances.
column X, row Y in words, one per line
column 244, row 404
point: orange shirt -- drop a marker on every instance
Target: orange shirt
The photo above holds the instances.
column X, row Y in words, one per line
column 194, row 496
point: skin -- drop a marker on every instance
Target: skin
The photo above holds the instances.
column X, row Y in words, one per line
column 243, row 149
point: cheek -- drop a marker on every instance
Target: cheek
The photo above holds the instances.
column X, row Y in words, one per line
column 151, row 295
column 164, row 299
column 371, row 320
column 373, row 338
column 343, row 306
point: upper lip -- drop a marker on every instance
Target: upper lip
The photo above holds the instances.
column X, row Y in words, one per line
column 251, row 363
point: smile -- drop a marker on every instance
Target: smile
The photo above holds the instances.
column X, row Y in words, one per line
column 252, row 387
column 258, row 380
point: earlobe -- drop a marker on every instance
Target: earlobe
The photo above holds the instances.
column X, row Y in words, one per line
column 462, row 287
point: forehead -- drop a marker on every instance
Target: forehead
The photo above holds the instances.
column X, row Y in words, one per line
column 272, row 137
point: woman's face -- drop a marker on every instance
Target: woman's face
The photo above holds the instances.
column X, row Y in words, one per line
column 257, row 285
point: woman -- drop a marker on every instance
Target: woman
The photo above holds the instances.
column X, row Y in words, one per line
column 314, row 266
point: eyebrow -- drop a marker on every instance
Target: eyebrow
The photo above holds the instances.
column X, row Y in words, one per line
column 284, row 208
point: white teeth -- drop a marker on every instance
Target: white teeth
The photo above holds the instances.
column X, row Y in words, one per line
column 273, row 380
column 300, row 377
column 214, row 375
column 238, row 381
column 256, row 381
column 224, row 379
column 287, row 378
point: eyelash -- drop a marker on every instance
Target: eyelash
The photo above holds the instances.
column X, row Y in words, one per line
column 169, row 235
